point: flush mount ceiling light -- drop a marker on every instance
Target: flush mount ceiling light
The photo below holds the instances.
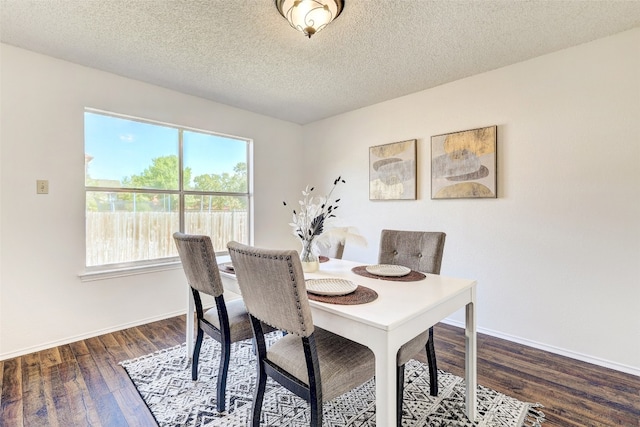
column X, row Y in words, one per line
column 309, row 16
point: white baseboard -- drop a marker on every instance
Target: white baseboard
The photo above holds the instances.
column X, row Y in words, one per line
column 92, row 334
column 552, row 349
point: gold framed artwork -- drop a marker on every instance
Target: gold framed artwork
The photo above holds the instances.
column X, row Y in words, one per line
column 463, row 164
column 392, row 171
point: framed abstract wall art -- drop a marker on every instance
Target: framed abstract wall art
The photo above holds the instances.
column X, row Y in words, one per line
column 463, row 164
column 392, row 171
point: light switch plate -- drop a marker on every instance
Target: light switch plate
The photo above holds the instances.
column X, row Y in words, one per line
column 42, row 186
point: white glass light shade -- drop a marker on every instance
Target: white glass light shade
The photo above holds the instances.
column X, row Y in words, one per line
column 309, row 16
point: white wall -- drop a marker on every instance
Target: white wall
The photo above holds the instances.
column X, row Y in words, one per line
column 557, row 255
column 42, row 301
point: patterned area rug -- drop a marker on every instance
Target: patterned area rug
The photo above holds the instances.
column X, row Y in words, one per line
column 163, row 379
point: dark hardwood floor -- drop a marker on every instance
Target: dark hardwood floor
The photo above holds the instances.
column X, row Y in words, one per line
column 81, row 384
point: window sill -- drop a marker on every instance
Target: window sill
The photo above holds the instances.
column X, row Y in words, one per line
column 104, row 274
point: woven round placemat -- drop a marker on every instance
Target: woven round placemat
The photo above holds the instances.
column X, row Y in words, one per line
column 414, row 276
column 361, row 295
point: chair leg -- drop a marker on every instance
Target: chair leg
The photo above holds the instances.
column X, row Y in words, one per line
column 196, row 355
column 223, row 370
column 316, row 410
column 399, row 394
column 258, row 396
column 433, row 367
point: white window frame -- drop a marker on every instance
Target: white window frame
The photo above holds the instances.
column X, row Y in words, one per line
column 106, row 271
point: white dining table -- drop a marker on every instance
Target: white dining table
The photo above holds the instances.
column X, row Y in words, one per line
column 402, row 310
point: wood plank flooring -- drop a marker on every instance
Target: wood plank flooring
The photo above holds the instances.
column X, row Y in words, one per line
column 81, row 384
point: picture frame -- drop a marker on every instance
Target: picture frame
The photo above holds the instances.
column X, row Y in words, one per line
column 464, row 164
column 392, row 171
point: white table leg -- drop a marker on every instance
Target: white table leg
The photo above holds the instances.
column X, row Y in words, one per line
column 470, row 371
column 189, row 329
column 385, row 386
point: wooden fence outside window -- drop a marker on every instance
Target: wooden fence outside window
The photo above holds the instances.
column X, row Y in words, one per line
column 119, row 237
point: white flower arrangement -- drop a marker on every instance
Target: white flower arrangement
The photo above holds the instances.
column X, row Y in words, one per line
column 309, row 221
column 312, row 223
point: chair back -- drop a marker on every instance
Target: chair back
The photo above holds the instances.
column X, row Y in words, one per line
column 417, row 250
column 199, row 263
column 272, row 286
column 334, row 251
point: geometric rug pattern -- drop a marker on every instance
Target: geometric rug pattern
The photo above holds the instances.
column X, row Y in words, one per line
column 163, row 379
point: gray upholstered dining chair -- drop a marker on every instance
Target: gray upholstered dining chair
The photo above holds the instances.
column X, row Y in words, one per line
column 312, row 363
column 333, row 251
column 420, row 251
column 228, row 321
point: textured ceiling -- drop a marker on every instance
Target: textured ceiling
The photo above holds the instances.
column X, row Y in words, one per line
column 244, row 54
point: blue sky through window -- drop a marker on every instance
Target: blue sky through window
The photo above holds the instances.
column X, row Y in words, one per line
column 120, row 148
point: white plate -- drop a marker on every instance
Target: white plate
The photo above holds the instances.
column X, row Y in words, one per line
column 227, row 266
column 389, row 270
column 330, row 286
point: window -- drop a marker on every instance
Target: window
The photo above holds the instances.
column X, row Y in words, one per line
column 145, row 180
